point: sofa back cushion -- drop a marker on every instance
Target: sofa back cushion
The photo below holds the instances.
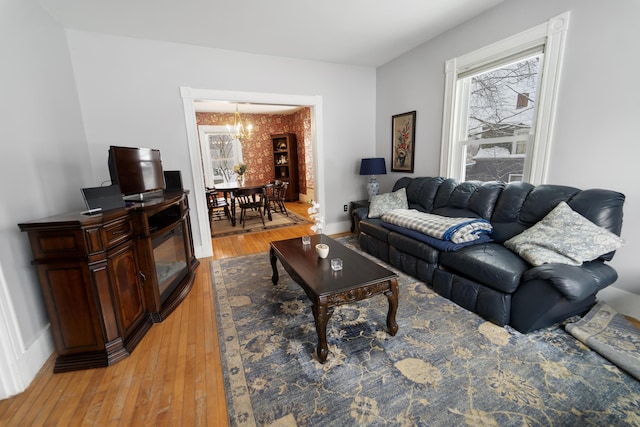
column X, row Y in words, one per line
column 512, row 207
column 421, row 192
column 603, row 208
column 448, row 197
column 521, row 205
column 473, row 199
column 541, row 200
column 563, row 236
column 608, row 213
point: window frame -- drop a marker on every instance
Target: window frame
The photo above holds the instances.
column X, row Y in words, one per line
column 552, row 36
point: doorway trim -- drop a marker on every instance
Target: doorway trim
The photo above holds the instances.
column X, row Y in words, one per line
column 189, row 95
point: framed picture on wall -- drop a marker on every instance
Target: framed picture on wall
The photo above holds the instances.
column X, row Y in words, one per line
column 403, row 148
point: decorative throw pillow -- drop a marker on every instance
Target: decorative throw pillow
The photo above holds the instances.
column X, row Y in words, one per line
column 563, row 236
column 383, row 203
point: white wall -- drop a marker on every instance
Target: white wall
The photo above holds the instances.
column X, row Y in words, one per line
column 595, row 142
column 130, row 95
column 57, row 86
column 44, row 162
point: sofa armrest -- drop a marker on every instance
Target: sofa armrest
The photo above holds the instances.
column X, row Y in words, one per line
column 360, row 213
column 575, row 282
column 357, row 215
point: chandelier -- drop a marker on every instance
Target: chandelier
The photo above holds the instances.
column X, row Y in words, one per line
column 239, row 130
column 219, row 140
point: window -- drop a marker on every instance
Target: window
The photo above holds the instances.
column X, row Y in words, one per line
column 220, row 152
column 498, row 129
column 499, row 104
column 225, row 153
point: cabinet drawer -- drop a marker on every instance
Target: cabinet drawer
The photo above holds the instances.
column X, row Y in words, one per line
column 117, row 232
column 56, row 244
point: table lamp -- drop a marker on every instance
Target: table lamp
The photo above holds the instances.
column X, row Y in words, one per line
column 372, row 167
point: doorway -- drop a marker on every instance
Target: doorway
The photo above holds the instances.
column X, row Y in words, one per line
column 190, row 95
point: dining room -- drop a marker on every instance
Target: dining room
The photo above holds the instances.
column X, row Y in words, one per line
column 249, row 146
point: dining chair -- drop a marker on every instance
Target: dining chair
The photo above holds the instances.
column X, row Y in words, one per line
column 218, row 206
column 251, row 200
column 268, row 191
column 277, row 197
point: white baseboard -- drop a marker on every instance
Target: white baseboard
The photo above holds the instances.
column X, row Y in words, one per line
column 621, row 301
column 305, row 198
column 337, row 227
column 36, row 355
column 308, row 197
column 24, row 368
column 200, row 252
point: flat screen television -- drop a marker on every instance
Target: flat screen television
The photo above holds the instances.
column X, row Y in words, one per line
column 138, row 171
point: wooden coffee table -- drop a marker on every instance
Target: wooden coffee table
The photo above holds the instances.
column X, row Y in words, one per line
column 360, row 278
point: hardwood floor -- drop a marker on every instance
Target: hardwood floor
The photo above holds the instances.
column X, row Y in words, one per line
column 174, row 376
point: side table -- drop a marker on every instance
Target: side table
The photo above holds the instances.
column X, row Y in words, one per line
column 353, row 206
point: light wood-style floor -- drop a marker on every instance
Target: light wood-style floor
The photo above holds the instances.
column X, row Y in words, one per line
column 172, row 378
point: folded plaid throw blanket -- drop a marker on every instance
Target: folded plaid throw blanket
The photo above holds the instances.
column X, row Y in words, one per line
column 456, row 230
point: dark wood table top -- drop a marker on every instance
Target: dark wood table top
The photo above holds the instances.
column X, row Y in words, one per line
column 235, row 185
column 315, row 274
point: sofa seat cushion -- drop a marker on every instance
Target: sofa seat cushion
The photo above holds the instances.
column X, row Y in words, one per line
column 456, row 230
column 414, row 247
column 490, row 264
column 441, row 245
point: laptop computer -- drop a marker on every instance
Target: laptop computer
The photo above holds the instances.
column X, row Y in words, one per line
column 102, row 198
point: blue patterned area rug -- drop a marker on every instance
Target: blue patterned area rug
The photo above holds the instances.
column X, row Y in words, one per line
column 610, row 334
column 446, row 366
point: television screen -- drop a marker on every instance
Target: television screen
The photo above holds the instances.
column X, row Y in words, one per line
column 136, row 170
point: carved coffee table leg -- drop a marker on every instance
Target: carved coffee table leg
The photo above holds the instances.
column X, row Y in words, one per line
column 321, row 315
column 392, row 296
column 274, row 268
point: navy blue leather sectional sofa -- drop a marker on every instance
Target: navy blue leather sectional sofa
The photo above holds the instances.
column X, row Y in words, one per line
column 488, row 278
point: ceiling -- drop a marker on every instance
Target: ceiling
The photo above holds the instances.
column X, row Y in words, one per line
column 365, row 33
column 357, row 32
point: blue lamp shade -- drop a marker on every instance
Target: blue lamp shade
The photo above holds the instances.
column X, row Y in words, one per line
column 372, row 167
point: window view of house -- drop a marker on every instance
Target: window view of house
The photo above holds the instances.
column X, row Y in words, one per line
column 500, row 120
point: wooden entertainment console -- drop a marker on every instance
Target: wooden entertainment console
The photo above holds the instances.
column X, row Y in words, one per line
column 106, row 278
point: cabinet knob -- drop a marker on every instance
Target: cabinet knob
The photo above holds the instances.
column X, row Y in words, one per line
column 142, row 276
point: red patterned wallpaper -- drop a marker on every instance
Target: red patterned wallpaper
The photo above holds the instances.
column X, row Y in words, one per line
column 256, row 151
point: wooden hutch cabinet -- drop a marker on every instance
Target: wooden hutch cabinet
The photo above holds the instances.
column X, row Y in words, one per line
column 107, row 278
column 285, row 162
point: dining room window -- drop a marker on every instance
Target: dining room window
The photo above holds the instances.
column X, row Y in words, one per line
column 220, row 152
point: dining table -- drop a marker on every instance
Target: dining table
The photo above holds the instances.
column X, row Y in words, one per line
column 229, row 190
